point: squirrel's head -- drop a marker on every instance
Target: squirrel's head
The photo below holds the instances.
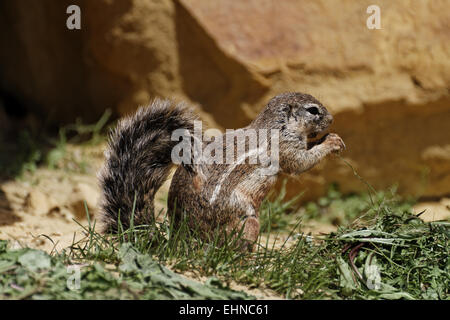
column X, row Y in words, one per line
column 296, row 115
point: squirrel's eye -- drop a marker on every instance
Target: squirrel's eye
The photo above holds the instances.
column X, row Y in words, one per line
column 313, row 110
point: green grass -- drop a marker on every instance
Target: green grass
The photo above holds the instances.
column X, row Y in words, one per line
column 387, row 253
column 276, row 212
column 33, row 274
column 27, row 150
column 338, row 209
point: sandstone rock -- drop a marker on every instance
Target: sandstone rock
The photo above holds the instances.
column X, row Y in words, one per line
column 434, row 211
column 388, row 88
column 38, row 203
column 41, row 59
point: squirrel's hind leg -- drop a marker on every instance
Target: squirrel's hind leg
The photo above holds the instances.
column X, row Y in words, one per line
column 246, row 230
column 250, row 231
column 245, row 221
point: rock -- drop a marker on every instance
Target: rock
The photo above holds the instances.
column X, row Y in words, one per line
column 434, row 211
column 38, row 203
column 388, row 89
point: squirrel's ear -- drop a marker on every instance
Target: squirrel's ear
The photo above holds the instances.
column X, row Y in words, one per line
column 287, row 109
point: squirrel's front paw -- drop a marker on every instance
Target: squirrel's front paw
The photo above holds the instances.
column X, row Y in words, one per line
column 335, row 143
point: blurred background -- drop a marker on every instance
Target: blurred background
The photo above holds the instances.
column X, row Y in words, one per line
column 387, row 88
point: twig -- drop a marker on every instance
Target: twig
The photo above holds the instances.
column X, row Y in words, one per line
column 352, row 254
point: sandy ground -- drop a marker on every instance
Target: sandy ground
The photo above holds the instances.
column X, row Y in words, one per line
column 43, row 212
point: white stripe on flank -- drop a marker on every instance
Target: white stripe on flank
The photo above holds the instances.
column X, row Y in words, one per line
column 228, row 172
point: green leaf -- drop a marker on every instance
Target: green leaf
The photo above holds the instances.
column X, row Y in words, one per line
column 170, row 283
column 128, row 255
column 35, row 260
column 395, row 296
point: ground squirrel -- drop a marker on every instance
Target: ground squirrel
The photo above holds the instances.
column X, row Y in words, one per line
column 210, row 194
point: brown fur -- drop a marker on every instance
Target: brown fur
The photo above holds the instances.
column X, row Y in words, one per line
column 230, row 195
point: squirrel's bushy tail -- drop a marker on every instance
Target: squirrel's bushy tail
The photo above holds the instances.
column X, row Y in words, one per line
column 138, row 161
